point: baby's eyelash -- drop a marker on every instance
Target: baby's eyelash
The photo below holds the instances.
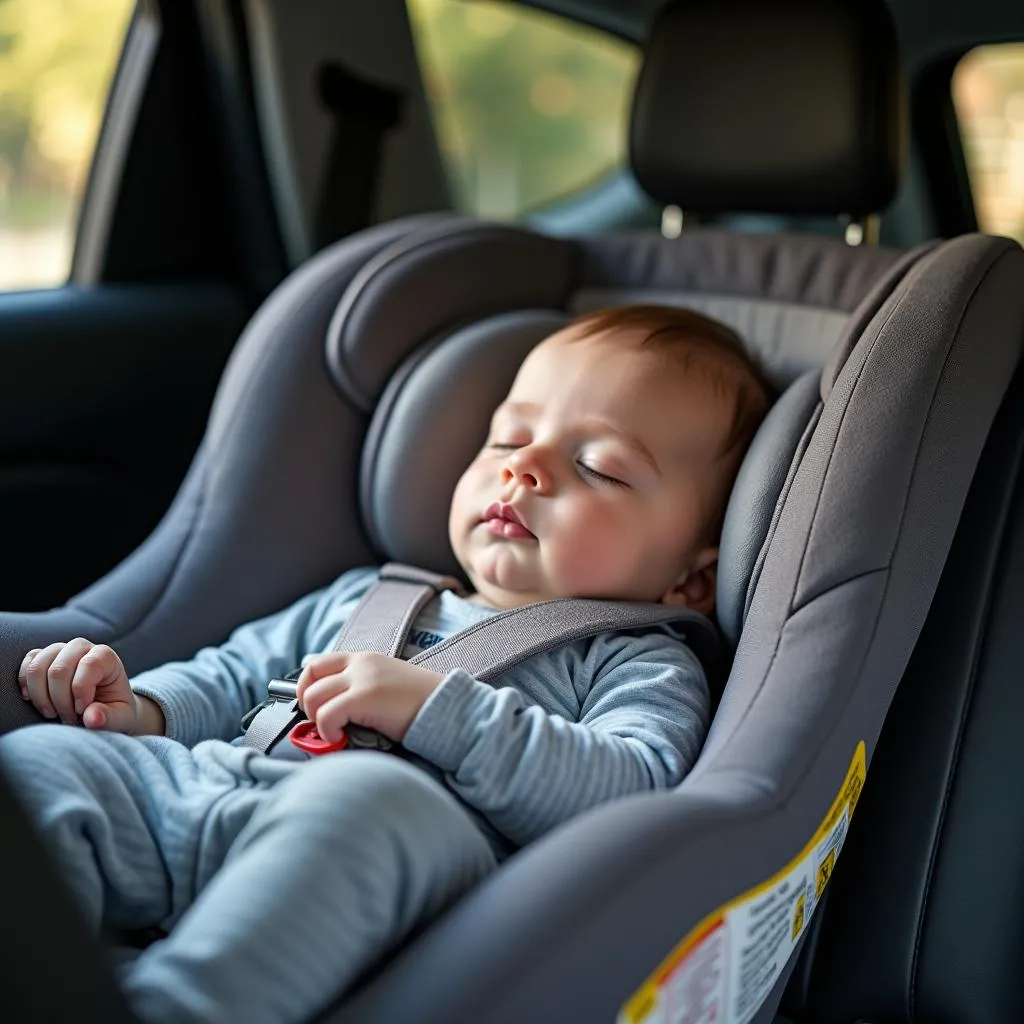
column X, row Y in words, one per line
column 593, row 473
column 600, row 476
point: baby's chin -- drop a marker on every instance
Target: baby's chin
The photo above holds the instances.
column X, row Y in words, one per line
column 501, row 577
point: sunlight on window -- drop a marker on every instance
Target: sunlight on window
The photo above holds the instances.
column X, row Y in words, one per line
column 529, row 108
column 57, row 59
column 988, row 92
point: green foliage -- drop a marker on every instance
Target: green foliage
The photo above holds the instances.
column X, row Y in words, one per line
column 528, row 107
column 56, row 62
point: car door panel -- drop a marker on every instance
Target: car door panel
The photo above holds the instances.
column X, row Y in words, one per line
column 106, row 392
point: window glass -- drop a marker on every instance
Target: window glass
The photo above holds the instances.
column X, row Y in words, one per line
column 57, row 58
column 528, row 108
column 988, row 92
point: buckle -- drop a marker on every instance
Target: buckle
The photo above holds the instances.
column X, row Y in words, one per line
column 283, row 689
column 305, row 737
column 278, row 690
column 294, row 724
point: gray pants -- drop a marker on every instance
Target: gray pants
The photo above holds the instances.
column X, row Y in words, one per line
column 280, row 883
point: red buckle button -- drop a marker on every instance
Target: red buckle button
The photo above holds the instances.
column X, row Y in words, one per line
column 306, row 738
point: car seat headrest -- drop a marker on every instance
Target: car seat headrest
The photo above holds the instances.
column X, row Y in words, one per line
column 789, row 108
column 429, row 373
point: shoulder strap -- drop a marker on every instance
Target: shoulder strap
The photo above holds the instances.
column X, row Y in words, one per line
column 488, row 648
column 384, row 615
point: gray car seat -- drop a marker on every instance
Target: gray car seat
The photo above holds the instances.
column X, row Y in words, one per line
column 364, row 383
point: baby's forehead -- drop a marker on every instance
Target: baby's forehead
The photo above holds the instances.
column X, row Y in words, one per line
column 619, row 359
column 635, row 390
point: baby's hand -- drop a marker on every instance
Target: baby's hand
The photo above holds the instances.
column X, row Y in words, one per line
column 366, row 689
column 80, row 678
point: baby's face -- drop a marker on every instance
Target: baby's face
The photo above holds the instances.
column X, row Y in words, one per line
column 598, row 479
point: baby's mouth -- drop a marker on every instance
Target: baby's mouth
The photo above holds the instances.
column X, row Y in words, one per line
column 503, row 521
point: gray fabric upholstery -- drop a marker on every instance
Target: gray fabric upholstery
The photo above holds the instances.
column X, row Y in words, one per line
column 755, row 496
column 787, row 338
column 892, row 934
column 872, row 520
column 809, row 270
column 792, row 107
column 458, row 273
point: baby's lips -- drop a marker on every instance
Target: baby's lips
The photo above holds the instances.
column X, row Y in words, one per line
column 509, row 530
column 503, row 520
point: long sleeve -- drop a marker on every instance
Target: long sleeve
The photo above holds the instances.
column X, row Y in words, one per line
column 206, row 696
column 640, row 716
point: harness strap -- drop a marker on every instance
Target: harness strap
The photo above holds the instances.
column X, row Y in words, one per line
column 488, row 648
column 379, row 622
column 384, row 615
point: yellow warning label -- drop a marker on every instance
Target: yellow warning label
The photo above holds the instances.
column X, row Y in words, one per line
column 824, row 873
column 798, row 917
column 725, row 966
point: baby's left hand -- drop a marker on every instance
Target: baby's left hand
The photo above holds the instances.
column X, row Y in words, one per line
column 366, row 689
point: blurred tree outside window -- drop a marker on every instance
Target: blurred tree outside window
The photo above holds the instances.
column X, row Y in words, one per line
column 57, row 59
column 528, row 108
column 988, row 93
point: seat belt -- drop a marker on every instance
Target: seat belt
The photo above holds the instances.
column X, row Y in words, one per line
column 362, row 112
column 383, row 617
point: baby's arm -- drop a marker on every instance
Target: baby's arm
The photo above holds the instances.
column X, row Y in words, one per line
column 641, row 727
column 206, row 696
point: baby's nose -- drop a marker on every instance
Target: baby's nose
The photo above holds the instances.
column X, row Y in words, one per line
column 526, row 468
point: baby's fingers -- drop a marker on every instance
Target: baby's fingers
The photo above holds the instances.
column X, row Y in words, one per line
column 23, row 671
column 35, row 673
column 316, row 667
column 92, row 670
column 333, row 716
column 318, row 692
column 60, row 675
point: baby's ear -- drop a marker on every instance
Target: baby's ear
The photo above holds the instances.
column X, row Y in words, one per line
column 696, row 588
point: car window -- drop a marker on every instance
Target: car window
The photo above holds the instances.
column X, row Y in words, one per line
column 528, row 108
column 988, row 93
column 57, row 59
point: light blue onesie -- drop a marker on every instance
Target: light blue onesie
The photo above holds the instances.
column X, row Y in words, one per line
column 284, row 880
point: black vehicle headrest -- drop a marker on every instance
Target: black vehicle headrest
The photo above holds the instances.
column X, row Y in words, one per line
column 789, row 107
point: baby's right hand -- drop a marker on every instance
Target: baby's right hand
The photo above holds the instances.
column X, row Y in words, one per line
column 80, row 678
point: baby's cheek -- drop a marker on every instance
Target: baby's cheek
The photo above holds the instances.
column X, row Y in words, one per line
column 459, row 511
column 589, row 556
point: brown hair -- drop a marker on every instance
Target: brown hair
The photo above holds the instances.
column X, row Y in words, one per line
column 696, row 341
column 693, row 337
